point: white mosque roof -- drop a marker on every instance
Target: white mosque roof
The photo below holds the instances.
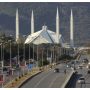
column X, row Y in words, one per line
column 43, row 36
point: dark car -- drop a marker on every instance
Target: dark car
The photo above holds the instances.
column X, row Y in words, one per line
column 88, row 71
column 56, row 70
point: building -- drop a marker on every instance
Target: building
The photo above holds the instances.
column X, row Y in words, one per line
column 44, row 36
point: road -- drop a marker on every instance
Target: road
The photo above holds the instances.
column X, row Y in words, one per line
column 82, row 73
column 48, row 79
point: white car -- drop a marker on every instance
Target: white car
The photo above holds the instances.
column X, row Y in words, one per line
column 81, row 80
column 80, row 66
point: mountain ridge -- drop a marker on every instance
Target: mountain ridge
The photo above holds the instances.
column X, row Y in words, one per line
column 46, row 13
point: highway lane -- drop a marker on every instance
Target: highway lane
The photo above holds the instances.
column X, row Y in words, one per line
column 82, row 73
column 48, row 79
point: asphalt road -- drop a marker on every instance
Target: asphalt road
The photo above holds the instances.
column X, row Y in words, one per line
column 48, row 79
column 82, row 73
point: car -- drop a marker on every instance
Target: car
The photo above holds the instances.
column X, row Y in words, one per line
column 56, row 70
column 80, row 67
column 88, row 71
column 85, row 60
column 68, row 65
column 88, row 66
column 81, row 80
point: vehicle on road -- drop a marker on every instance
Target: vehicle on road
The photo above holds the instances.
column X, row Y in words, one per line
column 85, row 60
column 81, row 80
column 56, row 70
column 80, row 66
column 88, row 71
column 88, row 66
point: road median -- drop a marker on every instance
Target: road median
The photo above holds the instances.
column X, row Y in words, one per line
column 17, row 82
column 67, row 79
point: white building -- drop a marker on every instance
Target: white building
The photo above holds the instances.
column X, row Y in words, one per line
column 44, row 36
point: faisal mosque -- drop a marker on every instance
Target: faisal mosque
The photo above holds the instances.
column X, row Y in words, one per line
column 45, row 35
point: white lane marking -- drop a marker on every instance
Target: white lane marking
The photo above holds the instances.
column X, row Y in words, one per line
column 45, row 76
column 42, row 80
column 53, row 82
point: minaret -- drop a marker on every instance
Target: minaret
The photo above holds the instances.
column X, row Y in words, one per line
column 17, row 26
column 57, row 26
column 32, row 23
column 71, row 30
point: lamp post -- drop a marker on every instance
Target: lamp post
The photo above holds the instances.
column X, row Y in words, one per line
column 10, row 58
column 29, row 57
column 53, row 54
column 24, row 48
column 18, row 55
column 1, row 51
column 24, row 54
column 10, row 54
column 33, row 53
column 42, row 56
column 1, row 63
column 18, row 61
column 37, row 56
column 51, row 58
column 47, row 54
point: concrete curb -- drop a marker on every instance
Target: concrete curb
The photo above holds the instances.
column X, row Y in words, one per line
column 27, row 80
column 67, row 79
column 16, row 84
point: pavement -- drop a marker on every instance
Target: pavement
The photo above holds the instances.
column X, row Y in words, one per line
column 48, row 79
column 15, row 83
column 10, row 78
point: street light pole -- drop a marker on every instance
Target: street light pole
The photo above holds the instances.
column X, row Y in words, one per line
column 2, row 63
column 29, row 53
column 33, row 52
column 18, row 61
column 10, row 55
column 24, row 52
column 23, row 57
column 18, row 55
column 53, row 54
column 1, row 51
column 37, row 56
column 29, row 56
column 47, row 53
column 42, row 57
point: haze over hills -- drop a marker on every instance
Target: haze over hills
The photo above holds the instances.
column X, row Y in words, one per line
column 45, row 13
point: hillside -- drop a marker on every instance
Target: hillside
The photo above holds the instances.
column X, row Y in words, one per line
column 45, row 13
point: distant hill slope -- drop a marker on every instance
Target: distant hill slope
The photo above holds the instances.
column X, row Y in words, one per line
column 45, row 13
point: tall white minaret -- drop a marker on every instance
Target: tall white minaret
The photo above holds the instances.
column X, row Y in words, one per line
column 32, row 23
column 57, row 26
column 17, row 26
column 71, row 30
